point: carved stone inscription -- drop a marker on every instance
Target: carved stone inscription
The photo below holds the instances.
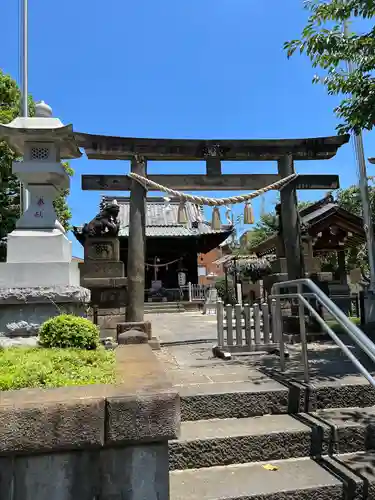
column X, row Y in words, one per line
column 109, row 297
column 101, row 251
column 102, row 269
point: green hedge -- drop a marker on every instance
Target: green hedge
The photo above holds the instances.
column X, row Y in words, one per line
column 69, row 331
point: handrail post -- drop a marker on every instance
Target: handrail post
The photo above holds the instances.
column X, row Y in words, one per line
column 302, row 330
column 220, row 323
column 279, row 333
column 354, row 332
column 273, row 320
column 266, row 323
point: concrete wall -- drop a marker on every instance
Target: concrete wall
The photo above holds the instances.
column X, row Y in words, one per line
column 94, row 442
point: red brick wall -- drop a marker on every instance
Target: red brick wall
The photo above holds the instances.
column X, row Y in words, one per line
column 206, row 260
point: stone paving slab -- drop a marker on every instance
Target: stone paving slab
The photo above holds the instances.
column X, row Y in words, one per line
column 221, row 428
column 183, row 326
column 194, row 363
column 300, row 479
column 327, row 365
column 181, row 377
column 348, row 416
column 362, row 464
column 184, row 377
column 261, row 385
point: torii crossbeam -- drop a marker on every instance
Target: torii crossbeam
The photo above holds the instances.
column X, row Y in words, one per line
column 213, row 152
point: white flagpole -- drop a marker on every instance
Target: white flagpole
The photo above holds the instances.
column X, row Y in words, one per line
column 24, row 202
column 363, row 186
column 24, row 57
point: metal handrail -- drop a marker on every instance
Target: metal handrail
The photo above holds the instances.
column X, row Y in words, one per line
column 353, row 331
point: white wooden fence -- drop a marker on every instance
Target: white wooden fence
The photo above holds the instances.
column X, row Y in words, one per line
column 245, row 328
column 196, row 293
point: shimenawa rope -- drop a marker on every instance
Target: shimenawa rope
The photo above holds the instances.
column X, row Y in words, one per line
column 212, row 202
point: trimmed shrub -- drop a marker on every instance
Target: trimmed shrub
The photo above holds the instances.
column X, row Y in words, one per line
column 67, row 330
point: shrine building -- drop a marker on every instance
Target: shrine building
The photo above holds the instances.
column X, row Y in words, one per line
column 171, row 247
column 326, row 229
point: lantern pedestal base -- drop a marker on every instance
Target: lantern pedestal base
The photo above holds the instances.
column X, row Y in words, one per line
column 43, row 246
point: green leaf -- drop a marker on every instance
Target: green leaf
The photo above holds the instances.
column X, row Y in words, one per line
column 324, row 43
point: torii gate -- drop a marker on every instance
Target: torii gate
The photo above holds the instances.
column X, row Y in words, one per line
column 213, row 152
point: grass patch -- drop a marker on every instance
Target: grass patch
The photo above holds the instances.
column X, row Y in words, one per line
column 45, row 368
column 337, row 328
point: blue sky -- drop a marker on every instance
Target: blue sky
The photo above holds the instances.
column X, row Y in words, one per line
column 171, row 68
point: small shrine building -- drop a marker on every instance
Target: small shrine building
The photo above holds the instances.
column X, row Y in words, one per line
column 171, row 247
column 325, row 228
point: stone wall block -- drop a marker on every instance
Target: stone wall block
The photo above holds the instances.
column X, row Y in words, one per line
column 143, row 417
column 59, row 476
column 41, row 427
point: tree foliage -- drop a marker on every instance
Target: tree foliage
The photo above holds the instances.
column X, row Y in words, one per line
column 253, row 269
column 328, row 48
column 266, row 227
column 9, row 185
column 61, row 206
column 10, row 100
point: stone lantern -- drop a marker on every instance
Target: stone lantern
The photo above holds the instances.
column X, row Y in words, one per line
column 39, row 277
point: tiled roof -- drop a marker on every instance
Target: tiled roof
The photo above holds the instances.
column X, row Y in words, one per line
column 163, row 222
column 315, row 214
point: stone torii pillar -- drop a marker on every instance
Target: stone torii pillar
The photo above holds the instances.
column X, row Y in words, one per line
column 136, row 245
column 290, row 218
column 134, row 316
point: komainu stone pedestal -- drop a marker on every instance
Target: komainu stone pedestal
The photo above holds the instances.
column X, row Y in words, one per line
column 103, row 274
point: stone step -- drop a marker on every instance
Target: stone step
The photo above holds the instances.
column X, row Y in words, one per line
column 294, row 479
column 163, row 311
column 233, row 399
column 265, row 395
column 160, row 307
column 163, row 304
column 218, row 442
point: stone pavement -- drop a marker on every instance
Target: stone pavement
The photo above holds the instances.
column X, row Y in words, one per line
column 189, row 362
column 241, row 417
column 183, row 327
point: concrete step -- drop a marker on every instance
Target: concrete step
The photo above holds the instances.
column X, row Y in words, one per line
column 230, row 441
column 295, row 479
column 168, row 310
column 163, row 307
column 233, row 400
column 265, row 395
column 163, row 304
